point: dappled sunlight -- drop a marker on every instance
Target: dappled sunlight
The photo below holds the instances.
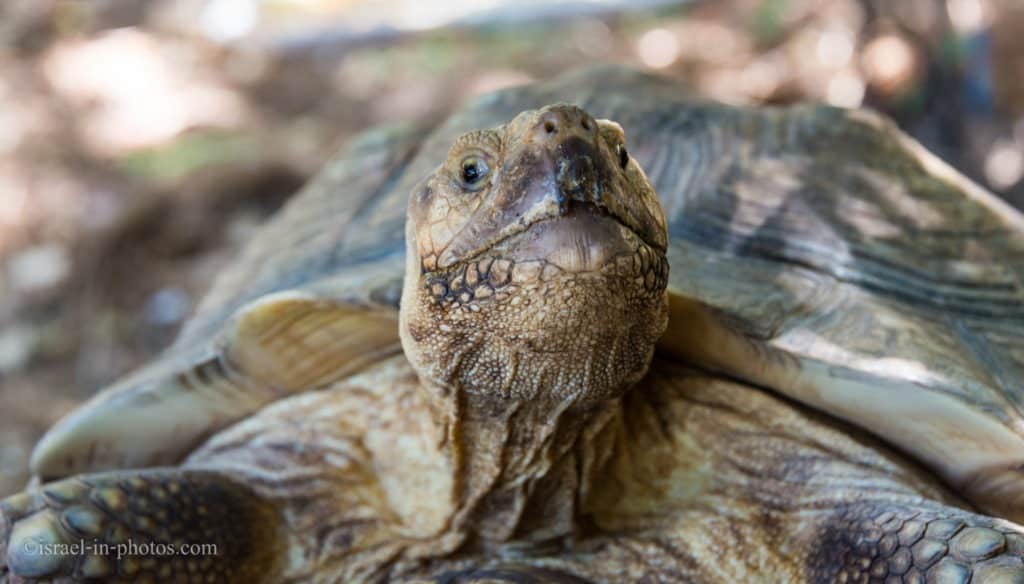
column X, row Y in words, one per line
column 835, row 47
column 969, row 16
column 229, row 20
column 497, row 80
column 894, row 194
column 658, row 48
column 593, row 37
column 845, row 89
column 136, row 92
column 868, row 219
column 768, row 184
column 807, row 341
column 890, row 63
column 776, row 206
column 1004, row 165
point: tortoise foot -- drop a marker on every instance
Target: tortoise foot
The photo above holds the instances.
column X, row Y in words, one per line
column 137, row 527
column 888, row 543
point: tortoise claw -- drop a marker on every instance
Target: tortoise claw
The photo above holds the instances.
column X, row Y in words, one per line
column 29, row 548
column 45, row 533
column 21, row 527
column 137, row 525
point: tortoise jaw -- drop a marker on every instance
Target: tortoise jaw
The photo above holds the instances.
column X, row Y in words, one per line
column 582, row 239
column 582, row 236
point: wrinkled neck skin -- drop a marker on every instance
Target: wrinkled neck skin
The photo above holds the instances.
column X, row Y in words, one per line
column 521, row 467
column 518, row 398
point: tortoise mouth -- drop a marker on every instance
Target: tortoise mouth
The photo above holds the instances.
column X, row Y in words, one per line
column 583, row 244
column 584, row 238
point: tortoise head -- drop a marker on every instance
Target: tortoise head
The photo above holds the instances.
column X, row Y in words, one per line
column 536, row 262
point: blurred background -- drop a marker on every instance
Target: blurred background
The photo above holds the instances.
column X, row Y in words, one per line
column 142, row 142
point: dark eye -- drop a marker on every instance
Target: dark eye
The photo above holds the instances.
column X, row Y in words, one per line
column 623, row 155
column 474, row 170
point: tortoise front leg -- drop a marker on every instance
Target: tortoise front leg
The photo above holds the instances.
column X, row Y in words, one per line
column 884, row 542
column 152, row 525
column 714, row 481
column 312, row 489
column 279, row 345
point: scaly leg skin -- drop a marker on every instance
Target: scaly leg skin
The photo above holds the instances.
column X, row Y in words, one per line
column 715, row 481
column 867, row 542
column 310, row 489
column 160, row 525
column 885, row 543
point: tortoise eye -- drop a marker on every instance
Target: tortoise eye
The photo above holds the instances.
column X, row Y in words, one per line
column 474, row 170
column 623, row 155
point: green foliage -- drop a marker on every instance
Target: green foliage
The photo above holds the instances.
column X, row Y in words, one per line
column 189, row 152
column 767, row 21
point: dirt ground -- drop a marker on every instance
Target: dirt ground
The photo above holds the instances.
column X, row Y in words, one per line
column 141, row 145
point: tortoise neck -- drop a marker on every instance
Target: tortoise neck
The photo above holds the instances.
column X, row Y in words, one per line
column 520, row 466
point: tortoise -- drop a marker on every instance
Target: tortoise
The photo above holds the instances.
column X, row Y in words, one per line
column 496, row 350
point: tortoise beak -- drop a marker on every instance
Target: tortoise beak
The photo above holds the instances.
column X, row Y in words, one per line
column 569, row 135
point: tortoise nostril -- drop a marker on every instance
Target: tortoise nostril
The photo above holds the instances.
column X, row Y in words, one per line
column 550, row 127
column 585, row 123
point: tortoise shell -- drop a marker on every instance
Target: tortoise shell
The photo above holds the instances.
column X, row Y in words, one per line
column 815, row 252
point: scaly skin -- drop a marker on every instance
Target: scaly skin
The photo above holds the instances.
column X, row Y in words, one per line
column 525, row 435
column 566, row 240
